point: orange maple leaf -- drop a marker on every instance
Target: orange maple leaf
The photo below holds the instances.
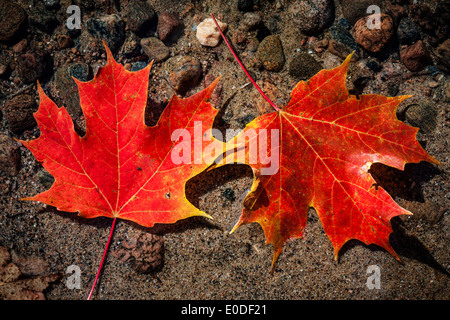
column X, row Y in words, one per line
column 327, row 141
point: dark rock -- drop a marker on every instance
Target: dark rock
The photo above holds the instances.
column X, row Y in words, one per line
column 184, row 72
column 139, row 65
column 110, row 28
column 396, row 11
column 155, row 49
column 9, row 155
column 12, row 19
column 229, row 194
column 373, row 65
column 340, row 50
column 141, row 17
column 130, row 47
column 270, row 53
column 353, row 10
column 64, row 41
column 51, row 3
column 374, row 39
column 170, row 27
column 339, row 33
column 422, row 15
column 443, row 51
column 393, row 90
column 422, row 115
column 245, row 5
column 407, row 32
column 20, row 46
column 416, row 57
column 303, row 66
column 3, row 69
column 250, row 21
column 33, row 65
column 19, row 113
column 313, row 16
column 42, row 18
column 272, row 24
column 67, row 87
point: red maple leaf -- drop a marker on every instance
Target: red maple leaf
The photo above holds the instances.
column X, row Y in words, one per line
column 327, row 142
column 121, row 168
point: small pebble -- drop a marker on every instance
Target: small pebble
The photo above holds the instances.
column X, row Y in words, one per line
column 407, row 32
column 313, row 16
column 19, row 111
column 303, row 66
column 207, row 33
column 416, row 57
column 422, row 115
column 270, row 53
column 353, row 10
column 155, row 49
column 169, row 27
column 12, row 19
column 250, row 21
column 374, row 39
column 184, row 72
column 9, row 156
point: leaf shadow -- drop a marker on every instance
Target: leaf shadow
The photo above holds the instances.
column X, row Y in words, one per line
column 404, row 245
column 219, row 121
column 411, row 247
column 199, row 186
column 405, row 184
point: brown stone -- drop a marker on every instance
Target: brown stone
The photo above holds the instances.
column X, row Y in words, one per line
column 9, row 155
column 184, row 72
column 155, row 49
column 12, row 18
column 270, row 53
column 32, row 66
column 415, row 57
column 169, row 26
column 19, row 111
column 374, row 39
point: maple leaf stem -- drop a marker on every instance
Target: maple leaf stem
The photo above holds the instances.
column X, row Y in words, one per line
column 103, row 258
column 242, row 66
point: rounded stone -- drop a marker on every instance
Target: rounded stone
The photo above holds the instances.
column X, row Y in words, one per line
column 141, row 17
column 207, row 33
column 19, row 113
column 155, row 49
column 184, row 72
column 12, row 19
column 422, row 115
column 407, row 31
column 110, row 28
column 313, row 16
column 169, row 27
column 369, row 36
column 353, row 10
column 32, row 65
column 67, row 87
column 416, row 57
column 303, row 66
column 270, row 53
column 9, row 155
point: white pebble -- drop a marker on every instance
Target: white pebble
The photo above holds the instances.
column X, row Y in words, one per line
column 207, row 33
